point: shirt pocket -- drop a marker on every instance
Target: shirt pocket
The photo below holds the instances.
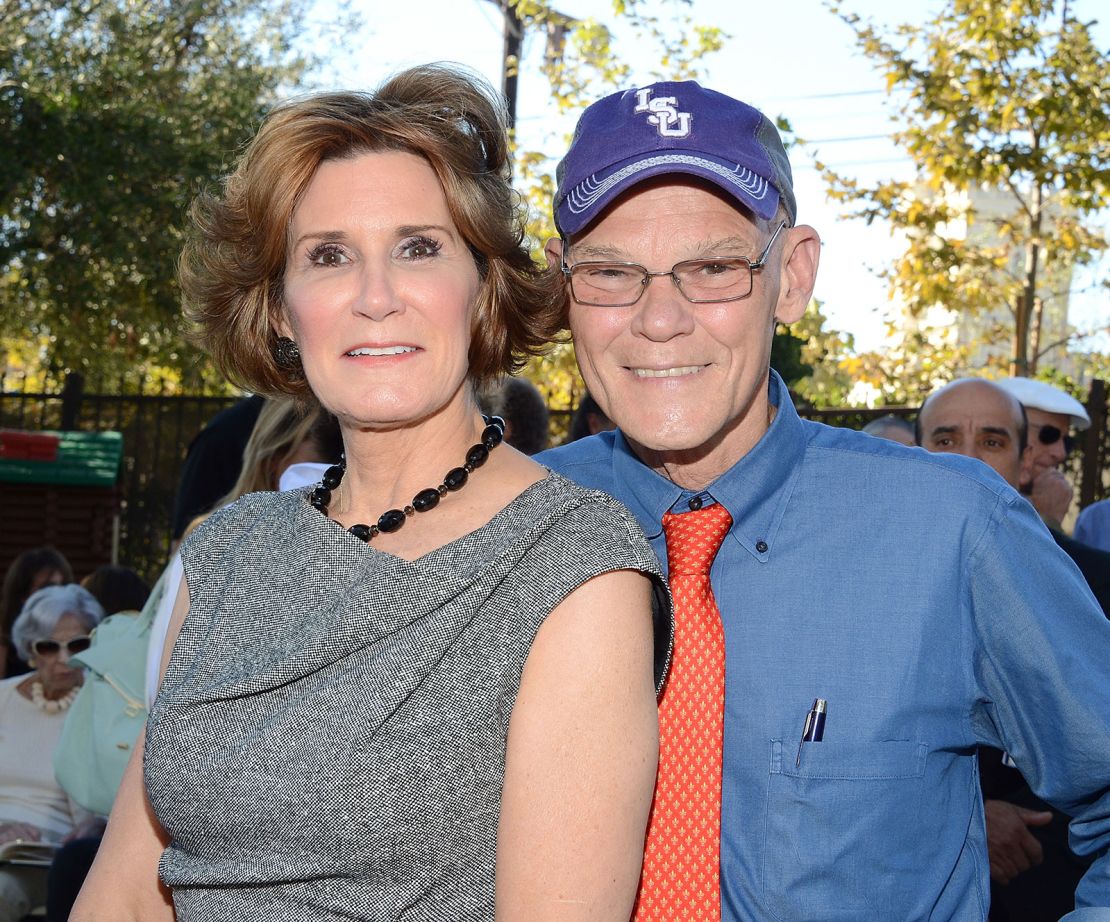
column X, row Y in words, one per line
column 840, row 828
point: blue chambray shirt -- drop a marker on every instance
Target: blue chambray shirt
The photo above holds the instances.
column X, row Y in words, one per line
column 924, row 599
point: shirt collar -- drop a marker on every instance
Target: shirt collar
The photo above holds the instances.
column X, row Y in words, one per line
column 755, row 490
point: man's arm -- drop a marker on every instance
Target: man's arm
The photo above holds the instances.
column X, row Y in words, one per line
column 1042, row 665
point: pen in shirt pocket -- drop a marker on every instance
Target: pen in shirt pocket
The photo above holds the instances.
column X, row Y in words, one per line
column 814, row 729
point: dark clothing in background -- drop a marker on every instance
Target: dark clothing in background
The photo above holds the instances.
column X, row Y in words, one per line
column 67, row 874
column 1093, row 563
column 214, row 461
column 1046, row 892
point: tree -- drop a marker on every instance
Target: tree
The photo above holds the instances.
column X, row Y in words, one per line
column 113, row 113
column 1006, row 97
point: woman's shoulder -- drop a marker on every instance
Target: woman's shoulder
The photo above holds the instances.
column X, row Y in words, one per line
column 8, row 688
column 261, row 518
column 584, row 504
column 590, row 526
column 247, row 512
column 8, row 685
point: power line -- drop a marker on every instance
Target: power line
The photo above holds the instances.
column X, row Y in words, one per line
column 837, row 95
column 858, row 137
column 843, row 163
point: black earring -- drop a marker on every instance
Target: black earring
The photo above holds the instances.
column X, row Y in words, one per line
column 286, row 353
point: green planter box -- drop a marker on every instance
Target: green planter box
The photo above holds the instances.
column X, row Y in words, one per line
column 85, row 459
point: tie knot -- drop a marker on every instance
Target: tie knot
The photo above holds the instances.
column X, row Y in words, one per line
column 693, row 539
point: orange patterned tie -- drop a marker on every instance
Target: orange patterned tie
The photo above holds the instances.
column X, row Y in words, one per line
column 681, row 879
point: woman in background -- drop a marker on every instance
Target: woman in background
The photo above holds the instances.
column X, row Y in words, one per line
column 425, row 689
column 29, row 572
column 55, row 622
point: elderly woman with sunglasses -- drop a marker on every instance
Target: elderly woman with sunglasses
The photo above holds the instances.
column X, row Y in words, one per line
column 54, row 623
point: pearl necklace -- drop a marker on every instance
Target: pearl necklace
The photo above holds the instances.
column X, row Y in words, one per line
column 52, row 705
column 424, row 501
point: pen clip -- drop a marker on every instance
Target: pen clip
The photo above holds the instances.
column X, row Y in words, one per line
column 814, row 727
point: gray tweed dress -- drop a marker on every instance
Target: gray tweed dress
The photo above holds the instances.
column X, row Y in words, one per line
column 329, row 739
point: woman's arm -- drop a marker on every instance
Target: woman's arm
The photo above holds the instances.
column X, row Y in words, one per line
column 123, row 884
column 581, row 760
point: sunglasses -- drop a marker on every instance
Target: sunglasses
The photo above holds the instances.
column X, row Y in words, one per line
column 53, row 648
column 1050, row 435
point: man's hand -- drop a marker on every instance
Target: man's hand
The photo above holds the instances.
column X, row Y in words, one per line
column 9, row 832
column 1011, row 847
column 1051, row 496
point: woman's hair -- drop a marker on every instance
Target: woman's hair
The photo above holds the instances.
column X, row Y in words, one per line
column 45, row 608
column 232, row 268
column 21, row 576
column 283, row 426
column 117, row 588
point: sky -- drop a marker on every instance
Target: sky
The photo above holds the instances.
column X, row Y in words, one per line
column 792, row 58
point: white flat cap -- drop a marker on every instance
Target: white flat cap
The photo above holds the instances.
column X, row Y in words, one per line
column 1038, row 395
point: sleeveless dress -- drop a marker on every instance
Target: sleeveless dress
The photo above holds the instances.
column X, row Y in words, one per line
column 329, row 739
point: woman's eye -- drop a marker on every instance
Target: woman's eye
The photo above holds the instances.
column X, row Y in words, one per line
column 419, row 248
column 327, row 254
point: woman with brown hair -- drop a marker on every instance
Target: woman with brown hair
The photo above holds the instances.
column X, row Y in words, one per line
column 442, row 710
column 28, row 573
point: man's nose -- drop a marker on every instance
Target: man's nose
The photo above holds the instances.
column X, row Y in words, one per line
column 662, row 311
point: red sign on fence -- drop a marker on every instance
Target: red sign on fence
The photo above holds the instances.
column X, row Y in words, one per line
column 18, row 445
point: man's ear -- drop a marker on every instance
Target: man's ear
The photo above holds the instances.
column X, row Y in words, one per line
column 800, row 255
column 553, row 250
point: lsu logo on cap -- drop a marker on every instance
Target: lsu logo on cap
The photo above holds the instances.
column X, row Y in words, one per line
column 663, row 114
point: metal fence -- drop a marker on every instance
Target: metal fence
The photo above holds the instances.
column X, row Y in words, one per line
column 157, row 427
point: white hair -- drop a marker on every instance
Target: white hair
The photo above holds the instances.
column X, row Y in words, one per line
column 44, row 609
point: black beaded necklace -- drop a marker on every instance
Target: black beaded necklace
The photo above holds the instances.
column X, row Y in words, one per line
column 425, row 500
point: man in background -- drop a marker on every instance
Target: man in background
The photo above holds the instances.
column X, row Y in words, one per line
column 1052, row 414
column 1033, row 871
column 895, row 428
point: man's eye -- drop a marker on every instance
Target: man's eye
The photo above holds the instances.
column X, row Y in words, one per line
column 717, row 269
column 609, row 273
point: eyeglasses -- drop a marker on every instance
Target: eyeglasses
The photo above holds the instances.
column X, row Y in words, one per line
column 1050, row 435
column 701, row 281
column 53, row 648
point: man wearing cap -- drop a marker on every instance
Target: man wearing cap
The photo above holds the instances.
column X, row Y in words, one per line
column 833, row 670
column 1052, row 413
column 1033, row 872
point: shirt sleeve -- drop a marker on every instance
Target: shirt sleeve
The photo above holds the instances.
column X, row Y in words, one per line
column 1042, row 666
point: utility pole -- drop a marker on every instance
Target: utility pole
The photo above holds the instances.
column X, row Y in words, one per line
column 510, row 56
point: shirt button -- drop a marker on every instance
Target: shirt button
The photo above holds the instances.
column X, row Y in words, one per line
column 695, row 504
column 761, row 546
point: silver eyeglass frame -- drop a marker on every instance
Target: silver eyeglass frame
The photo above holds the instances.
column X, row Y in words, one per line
column 647, row 276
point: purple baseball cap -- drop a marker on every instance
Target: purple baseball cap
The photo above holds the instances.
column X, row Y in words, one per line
column 677, row 127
